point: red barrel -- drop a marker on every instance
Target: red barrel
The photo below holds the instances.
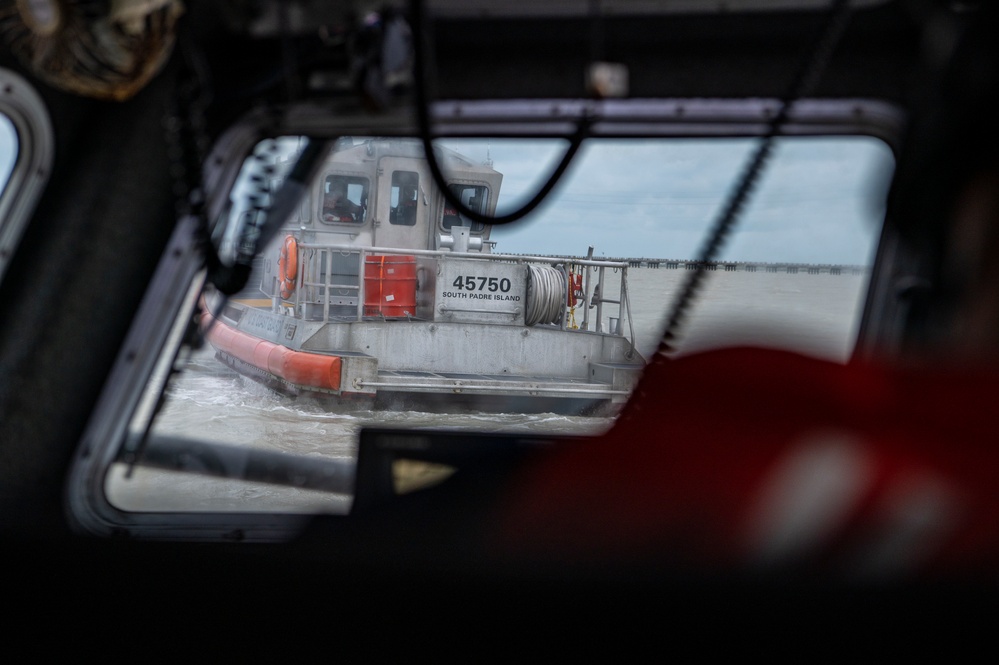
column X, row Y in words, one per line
column 390, row 285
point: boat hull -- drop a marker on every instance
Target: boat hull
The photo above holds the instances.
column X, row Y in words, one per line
column 426, row 365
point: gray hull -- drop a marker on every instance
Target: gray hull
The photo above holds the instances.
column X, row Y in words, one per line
column 445, row 366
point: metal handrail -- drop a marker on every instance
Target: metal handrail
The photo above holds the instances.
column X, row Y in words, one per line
column 310, row 257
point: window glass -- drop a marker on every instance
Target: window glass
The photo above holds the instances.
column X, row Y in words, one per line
column 26, row 152
column 474, row 198
column 816, row 212
column 345, row 199
column 8, row 149
column 403, row 203
column 617, row 238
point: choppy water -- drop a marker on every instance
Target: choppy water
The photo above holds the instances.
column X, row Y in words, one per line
column 814, row 314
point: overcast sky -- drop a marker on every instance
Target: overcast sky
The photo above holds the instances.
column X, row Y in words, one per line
column 820, row 201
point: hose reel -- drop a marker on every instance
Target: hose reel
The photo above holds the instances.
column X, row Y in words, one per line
column 546, row 295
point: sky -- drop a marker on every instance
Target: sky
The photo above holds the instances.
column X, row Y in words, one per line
column 820, row 201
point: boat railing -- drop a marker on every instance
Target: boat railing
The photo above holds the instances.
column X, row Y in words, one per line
column 331, row 285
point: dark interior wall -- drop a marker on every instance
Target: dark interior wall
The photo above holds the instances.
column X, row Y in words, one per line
column 753, row 55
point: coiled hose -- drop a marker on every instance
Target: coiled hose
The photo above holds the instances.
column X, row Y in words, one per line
column 546, row 295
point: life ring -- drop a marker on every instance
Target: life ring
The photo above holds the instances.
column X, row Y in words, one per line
column 288, row 266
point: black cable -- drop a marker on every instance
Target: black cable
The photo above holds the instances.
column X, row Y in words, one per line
column 803, row 84
column 420, row 47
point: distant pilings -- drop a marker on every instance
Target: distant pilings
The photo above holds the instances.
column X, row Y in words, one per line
column 745, row 266
column 729, row 266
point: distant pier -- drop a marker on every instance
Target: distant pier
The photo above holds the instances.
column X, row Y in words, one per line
column 733, row 266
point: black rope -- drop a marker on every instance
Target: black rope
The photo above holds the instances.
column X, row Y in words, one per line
column 421, row 47
column 803, row 84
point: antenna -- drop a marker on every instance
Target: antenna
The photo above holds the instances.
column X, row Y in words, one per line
column 489, row 160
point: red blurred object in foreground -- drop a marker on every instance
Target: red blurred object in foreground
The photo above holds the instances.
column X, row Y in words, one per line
column 762, row 459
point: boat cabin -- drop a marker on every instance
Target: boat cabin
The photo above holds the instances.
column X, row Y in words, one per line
column 380, row 192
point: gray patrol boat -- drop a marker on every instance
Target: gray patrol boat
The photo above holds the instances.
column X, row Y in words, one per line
column 377, row 294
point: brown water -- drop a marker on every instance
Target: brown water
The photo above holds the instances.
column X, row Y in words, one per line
column 816, row 314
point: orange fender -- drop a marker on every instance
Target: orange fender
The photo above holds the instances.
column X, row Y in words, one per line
column 288, row 266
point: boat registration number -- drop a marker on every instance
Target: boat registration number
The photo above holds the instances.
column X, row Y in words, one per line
column 477, row 283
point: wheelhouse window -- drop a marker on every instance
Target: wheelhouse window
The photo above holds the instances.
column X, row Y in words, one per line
column 405, row 187
column 229, row 445
column 345, row 199
column 473, row 196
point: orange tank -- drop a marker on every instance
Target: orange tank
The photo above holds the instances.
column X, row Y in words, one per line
column 390, row 285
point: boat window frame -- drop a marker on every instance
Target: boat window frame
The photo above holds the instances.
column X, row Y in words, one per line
column 366, row 195
column 477, row 227
column 145, row 360
column 393, row 216
column 22, row 105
